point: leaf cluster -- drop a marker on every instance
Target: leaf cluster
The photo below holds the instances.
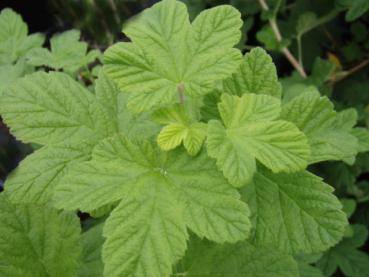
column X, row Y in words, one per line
column 192, row 158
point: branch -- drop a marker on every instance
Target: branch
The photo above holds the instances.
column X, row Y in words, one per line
column 278, row 36
column 351, row 71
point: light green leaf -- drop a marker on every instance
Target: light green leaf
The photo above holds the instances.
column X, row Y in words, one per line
column 248, row 108
column 195, row 138
column 113, row 104
column 182, row 126
column 92, row 241
column 37, row 241
column 168, row 53
column 294, row 212
column 346, row 119
column 210, row 205
column 174, row 134
column 9, row 73
column 240, row 260
column 37, row 176
column 212, row 212
column 173, row 114
column 164, row 191
column 50, row 108
column 128, row 66
column 257, row 75
column 110, row 103
column 251, row 132
column 12, row 25
column 186, row 112
column 210, row 108
column 328, row 133
column 103, row 210
column 145, row 235
column 67, row 53
column 14, row 39
column 348, row 206
column 362, row 135
column 56, row 101
column 237, row 164
column 93, row 185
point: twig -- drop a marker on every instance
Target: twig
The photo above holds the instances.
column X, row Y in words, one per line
column 351, row 71
column 294, row 62
column 278, row 36
column 318, row 22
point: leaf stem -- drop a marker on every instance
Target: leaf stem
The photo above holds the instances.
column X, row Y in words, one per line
column 318, row 22
column 181, row 89
column 278, row 36
column 322, row 20
column 299, row 50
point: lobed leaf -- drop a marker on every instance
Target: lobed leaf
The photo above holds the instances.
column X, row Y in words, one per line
column 251, row 133
column 239, row 260
column 328, row 133
column 14, row 40
column 145, row 234
column 113, row 106
column 171, row 182
column 257, row 74
column 37, row 242
column 91, row 261
column 9, row 73
column 67, row 53
column 174, row 134
column 294, row 212
column 69, row 120
column 168, row 54
column 181, row 126
column 50, row 108
column 362, row 135
column 38, row 175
